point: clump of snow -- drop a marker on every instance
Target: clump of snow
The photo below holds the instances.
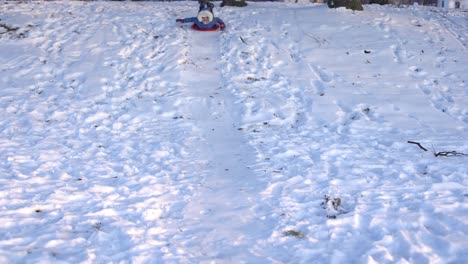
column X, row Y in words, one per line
column 126, row 137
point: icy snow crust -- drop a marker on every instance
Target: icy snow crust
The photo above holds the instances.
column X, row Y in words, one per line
column 126, row 138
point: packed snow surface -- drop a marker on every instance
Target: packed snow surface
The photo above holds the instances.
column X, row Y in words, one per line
column 128, row 138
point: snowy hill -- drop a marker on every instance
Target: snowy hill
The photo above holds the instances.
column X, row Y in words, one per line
column 291, row 137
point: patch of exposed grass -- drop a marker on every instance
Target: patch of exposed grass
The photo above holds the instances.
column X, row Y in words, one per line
column 8, row 28
column 14, row 32
column 294, row 233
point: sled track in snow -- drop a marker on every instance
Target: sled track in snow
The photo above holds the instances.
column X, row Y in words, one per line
column 219, row 219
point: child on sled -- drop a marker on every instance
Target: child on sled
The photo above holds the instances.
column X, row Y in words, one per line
column 205, row 20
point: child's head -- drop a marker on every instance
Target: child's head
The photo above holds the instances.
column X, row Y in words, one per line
column 205, row 16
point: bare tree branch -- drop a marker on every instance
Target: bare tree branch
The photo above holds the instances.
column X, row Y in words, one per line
column 449, row 154
column 441, row 153
column 419, row 145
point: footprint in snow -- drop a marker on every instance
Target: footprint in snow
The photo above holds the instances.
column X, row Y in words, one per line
column 439, row 60
column 416, row 71
column 319, row 87
column 320, row 73
column 398, row 53
column 424, row 89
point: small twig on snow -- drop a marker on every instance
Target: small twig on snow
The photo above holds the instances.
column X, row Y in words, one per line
column 449, row 154
column 419, row 145
column 243, row 41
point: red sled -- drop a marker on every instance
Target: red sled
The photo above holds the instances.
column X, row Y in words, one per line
column 195, row 27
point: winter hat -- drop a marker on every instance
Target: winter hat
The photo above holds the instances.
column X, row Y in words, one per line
column 205, row 13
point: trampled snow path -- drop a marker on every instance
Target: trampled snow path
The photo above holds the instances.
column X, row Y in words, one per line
column 325, row 118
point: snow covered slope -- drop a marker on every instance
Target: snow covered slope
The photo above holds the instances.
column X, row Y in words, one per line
column 125, row 137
